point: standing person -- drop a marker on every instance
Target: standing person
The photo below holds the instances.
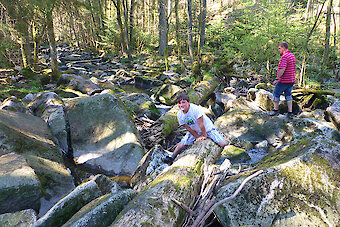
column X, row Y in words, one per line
column 285, row 80
column 198, row 124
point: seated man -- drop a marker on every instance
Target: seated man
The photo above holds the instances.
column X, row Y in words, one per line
column 198, row 124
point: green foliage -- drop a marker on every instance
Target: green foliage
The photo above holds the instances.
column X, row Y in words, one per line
column 251, row 33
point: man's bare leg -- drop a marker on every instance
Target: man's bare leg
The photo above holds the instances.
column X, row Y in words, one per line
column 290, row 106
column 276, row 105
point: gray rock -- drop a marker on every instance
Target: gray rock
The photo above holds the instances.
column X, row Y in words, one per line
column 103, row 135
column 241, row 84
column 19, row 185
column 234, row 154
column 30, row 137
column 148, row 168
column 44, row 103
column 166, row 94
column 65, row 208
column 57, row 123
column 264, row 99
column 21, row 218
column 12, row 104
column 79, row 83
column 334, row 114
column 251, row 94
column 249, row 127
column 102, row 211
column 299, row 187
column 139, row 104
column 106, row 185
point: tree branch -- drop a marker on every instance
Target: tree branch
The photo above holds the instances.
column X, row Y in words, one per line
column 204, row 215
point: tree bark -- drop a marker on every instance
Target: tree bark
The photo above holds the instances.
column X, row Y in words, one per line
column 168, row 122
column 328, row 32
column 181, row 181
column 51, row 40
column 118, row 6
column 131, row 24
column 202, row 23
column 126, row 27
column 190, row 46
column 25, row 46
column 163, row 27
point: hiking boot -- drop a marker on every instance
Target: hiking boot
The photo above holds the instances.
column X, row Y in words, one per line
column 290, row 115
column 273, row 113
column 168, row 160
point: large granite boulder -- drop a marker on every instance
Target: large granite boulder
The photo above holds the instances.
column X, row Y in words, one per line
column 167, row 94
column 148, row 168
column 334, row 114
column 96, row 212
column 103, row 135
column 139, row 104
column 249, row 127
column 79, row 83
column 299, row 187
column 30, row 137
column 70, row 204
column 21, row 218
column 264, row 99
column 50, row 107
column 12, row 104
column 19, row 185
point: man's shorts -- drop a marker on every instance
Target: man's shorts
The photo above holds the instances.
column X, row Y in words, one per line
column 213, row 134
column 283, row 87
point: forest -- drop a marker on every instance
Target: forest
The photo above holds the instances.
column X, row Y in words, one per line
column 90, row 126
column 192, row 38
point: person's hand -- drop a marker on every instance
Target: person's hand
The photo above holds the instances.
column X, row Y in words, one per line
column 201, row 138
column 275, row 82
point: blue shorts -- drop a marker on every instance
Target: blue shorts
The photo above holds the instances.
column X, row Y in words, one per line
column 213, row 134
column 283, row 87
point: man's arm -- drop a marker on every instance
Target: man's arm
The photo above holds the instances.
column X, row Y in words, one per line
column 279, row 74
column 202, row 127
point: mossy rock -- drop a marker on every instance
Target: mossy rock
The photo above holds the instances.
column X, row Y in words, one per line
column 235, row 154
column 65, row 93
column 27, row 72
column 299, row 187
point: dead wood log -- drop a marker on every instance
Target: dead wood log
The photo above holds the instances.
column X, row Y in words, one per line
column 309, row 91
column 205, row 214
column 180, row 181
column 168, row 122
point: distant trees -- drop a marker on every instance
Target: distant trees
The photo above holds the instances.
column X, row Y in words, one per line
column 244, row 31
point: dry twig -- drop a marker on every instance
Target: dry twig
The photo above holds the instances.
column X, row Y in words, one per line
column 204, row 215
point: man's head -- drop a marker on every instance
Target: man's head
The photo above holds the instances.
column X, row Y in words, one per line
column 183, row 102
column 283, row 47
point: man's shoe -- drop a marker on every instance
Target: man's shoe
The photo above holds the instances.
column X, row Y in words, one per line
column 168, row 160
column 290, row 115
column 273, row 113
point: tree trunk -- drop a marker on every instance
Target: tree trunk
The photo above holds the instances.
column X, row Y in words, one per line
column 162, row 27
column 189, row 12
column 181, row 181
column 328, row 32
column 126, row 27
column 179, row 53
column 131, row 24
column 202, row 23
column 26, row 50
column 168, row 122
column 51, row 40
column 118, row 6
column 36, row 42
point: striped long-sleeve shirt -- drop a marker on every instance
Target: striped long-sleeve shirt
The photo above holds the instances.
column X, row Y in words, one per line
column 287, row 62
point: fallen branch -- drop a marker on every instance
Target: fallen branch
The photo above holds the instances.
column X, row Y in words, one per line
column 204, row 215
column 184, row 207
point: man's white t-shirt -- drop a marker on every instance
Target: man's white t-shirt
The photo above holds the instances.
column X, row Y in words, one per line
column 190, row 118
